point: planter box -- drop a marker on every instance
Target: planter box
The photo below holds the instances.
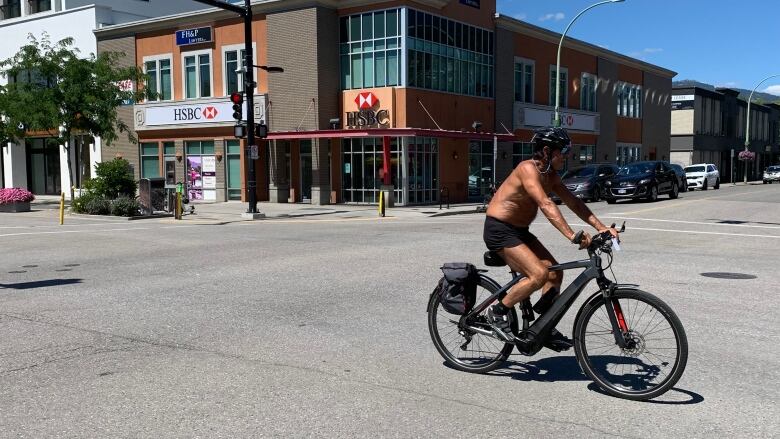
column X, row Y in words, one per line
column 17, row 206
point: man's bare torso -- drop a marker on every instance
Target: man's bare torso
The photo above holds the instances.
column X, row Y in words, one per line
column 511, row 203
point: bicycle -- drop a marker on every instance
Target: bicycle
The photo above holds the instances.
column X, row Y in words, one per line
column 616, row 349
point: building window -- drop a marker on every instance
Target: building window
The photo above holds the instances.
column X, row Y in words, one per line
column 234, row 78
column 563, row 85
column 197, row 153
column 363, row 169
column 159, row 80
column 588, row 90
column 39, row 6
column 449, row 56
column 11, row 9
column 197, row 75
column 629, row 102
column 587, row 153
column 150, row 160
column 371, row 49
column 423, row 170
column 521, row 151
column 524, row 80
column 628, row 154
column 233, row 168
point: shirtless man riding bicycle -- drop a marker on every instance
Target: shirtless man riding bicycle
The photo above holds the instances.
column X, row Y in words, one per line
column 513, row 208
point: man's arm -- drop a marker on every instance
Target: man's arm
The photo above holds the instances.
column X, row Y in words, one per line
column 532, row 183
column 576, row 205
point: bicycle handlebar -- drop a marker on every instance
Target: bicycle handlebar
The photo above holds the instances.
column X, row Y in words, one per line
column 602, row 240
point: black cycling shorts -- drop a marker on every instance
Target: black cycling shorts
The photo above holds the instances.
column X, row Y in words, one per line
column 499, row 235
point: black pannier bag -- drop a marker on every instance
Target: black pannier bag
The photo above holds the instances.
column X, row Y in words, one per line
column 458, row 288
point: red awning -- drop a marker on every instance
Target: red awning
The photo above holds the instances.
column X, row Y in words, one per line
column 389, row 132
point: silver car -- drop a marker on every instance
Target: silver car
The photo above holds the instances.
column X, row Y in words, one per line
column 772, row 174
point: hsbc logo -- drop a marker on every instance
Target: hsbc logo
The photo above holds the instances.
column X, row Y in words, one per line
column 210, row 113
column 366, row 116
column 366, row 100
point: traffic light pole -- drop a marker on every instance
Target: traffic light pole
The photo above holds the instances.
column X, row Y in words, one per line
column 249, row 90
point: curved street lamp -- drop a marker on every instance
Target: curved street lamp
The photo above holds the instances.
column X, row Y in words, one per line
column 747, row 124
column 558, row 62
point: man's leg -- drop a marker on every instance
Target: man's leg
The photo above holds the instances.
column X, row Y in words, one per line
column 554, row 278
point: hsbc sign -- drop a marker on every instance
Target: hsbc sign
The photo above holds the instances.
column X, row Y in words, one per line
column 213, row 112
column 367, row 115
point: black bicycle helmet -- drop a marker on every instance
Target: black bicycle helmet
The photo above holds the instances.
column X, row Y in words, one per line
column 554, row 137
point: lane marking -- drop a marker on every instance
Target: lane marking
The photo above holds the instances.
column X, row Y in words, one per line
column 690, row 222
column 673, row 204
column 291, row 221
column 695, row 232
column 72, row 231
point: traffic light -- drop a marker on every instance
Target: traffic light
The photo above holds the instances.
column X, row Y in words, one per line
column 261, row 131
column 238, row 101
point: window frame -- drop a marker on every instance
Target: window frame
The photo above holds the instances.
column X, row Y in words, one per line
column 156, row 156
column 523, row 63
column 199, row 92
column 235, row 48
column 583, row 98
column 564, row 92
column 156, row 59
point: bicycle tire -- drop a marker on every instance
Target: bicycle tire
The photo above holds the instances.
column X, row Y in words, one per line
column 445, row 342
column 590, row 362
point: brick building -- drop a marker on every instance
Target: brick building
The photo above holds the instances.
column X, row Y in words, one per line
column 426, row 95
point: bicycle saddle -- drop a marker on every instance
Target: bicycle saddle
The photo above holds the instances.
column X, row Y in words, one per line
column 493, row 259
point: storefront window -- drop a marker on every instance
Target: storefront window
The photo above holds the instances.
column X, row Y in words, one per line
column 521, row 151
column 200, row 172
column 480, row 169
column 423, row 170
column 370, row 49
column 150, row 160
column 233, row 167
column 197, row 75
column 564, row 90
column 448, row 56
column 587, row 152
column 159, row 80
column 588, row 92
column 363, row 169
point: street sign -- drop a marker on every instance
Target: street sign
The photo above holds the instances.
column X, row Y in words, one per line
column 253, row 152
column 186, row 37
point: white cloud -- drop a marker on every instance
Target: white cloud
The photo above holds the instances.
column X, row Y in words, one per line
column 730, row 84
column 558, row 16
column 653, row 50
column 520, row 16
column 773, row 89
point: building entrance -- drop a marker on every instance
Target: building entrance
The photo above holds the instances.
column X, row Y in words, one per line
column 306, row 172
column 43, row 166
column 480, row 170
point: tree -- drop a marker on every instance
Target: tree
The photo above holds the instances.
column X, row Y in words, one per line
column 52, row 89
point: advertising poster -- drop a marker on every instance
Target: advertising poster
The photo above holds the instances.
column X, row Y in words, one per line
column 195, row 178
column 209, row 172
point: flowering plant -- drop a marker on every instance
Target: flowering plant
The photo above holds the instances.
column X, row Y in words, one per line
column 747, row 155
column 15, row 195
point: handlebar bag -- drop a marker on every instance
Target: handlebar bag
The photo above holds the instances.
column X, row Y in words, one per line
column 457, row 289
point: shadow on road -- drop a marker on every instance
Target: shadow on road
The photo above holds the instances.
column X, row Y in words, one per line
column 40, row 284
column 668, row 398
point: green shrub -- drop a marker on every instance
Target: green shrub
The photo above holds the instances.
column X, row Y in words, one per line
column 124, row 206
column 79, row 204
column 98, row 206
column 114, row 178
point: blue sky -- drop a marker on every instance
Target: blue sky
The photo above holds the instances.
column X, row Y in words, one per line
column 719, row 42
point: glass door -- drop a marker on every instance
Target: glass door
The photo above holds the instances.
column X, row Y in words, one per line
column 43, row 166
column 233, row 168
column 480, row 170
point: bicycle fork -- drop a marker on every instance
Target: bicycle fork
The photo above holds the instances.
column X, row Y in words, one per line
column 615, row 314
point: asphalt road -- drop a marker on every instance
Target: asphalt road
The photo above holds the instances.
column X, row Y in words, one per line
column 317, row 328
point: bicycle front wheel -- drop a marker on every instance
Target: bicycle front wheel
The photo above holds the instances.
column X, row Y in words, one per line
column 464, row 349
column 656, row 352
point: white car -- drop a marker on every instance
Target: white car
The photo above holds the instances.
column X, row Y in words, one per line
column 702, row 176
column 772, row 174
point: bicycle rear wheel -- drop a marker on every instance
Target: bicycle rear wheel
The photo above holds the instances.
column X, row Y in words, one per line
column 464, row 349
column 654, row 359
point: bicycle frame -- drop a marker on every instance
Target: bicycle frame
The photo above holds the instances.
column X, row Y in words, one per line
column 546, row 322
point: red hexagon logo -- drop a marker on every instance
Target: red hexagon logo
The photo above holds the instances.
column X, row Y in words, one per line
column 366, row 100
column 210, row 112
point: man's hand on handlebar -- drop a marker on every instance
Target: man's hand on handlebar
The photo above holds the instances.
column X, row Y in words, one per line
column 612, row 231
column 582, row 238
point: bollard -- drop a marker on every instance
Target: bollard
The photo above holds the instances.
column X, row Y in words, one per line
column 62, row 208
column 177, row 209
column 381, row 203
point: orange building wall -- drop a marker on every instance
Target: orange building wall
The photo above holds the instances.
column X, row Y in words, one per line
column 629, row 130
column 226, row 32
column 450, row 111
column 543, row 54
column 630, row 74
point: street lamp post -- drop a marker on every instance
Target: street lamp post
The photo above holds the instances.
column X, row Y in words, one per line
column 747, row 123
column 558, row 62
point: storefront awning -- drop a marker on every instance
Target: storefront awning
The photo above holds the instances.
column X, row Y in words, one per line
column 389, row 132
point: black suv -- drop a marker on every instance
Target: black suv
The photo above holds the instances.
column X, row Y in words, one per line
column 642, row 180
column 587, row 182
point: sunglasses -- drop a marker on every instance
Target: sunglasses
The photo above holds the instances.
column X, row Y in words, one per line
column 565, row 150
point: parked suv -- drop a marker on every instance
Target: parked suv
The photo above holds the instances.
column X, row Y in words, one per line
column 587, row 182
column 642, row 180
column 772, row 174
column 682, row 180
column 703, row 176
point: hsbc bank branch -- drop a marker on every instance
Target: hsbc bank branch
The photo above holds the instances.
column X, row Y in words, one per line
column 421, row 97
